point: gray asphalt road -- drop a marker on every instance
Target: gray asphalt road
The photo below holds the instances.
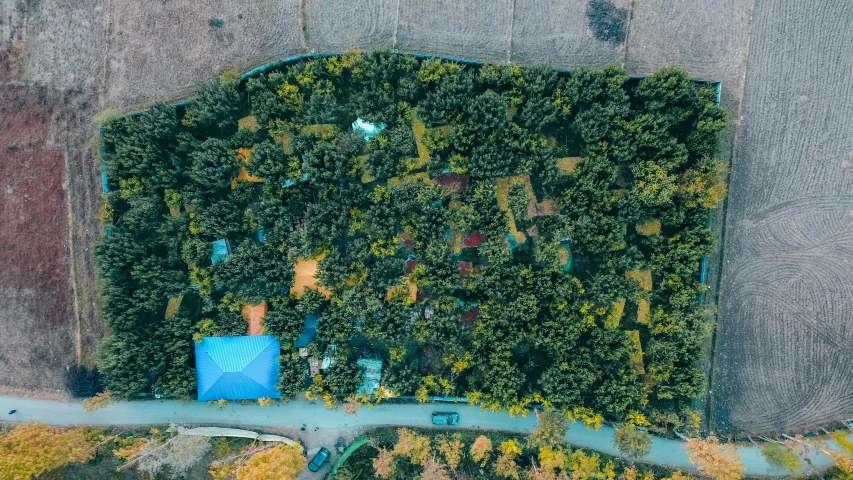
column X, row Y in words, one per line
column 310, row 414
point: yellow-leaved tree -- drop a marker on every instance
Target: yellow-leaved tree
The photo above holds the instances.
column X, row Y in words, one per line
column 411, row 445
column 33, row 448
column 481, row 450
column 383, row 464
column 451, row 448
column 100, row 400
column 283, row 462
column 716, row 460
column 505, row 465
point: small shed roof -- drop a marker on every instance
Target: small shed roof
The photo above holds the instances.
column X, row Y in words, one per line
column 237, row 368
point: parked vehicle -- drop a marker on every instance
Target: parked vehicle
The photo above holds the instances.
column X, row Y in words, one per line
column 319, row 459
column 445, row 418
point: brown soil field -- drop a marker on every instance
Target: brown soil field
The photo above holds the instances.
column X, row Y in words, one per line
column 784, row 356
column 160, row 50
column 37, row 321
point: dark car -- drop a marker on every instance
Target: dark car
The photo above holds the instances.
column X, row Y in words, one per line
column 445, row 418
column 319, row 459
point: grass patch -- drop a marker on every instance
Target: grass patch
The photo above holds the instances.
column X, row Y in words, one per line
column 322, row 129
column 643, row 278
column 637, row 351
column 643, row 309
column 615, row 315
column 649, row 228
column 419, row 129
column 172, row 307
column 248, row 123
column 568, row 165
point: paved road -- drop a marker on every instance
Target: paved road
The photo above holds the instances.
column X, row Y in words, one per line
column 297, row 413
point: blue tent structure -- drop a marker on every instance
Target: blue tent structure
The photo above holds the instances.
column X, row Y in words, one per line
column 311, row 322
column 237, row 368
column 221, row 250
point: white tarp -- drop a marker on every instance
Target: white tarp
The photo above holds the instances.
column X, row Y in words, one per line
column 229, row 432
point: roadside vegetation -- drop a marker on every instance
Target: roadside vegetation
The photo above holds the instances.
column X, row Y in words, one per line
column 511, row 235
column 429, row 454
column 35, row 450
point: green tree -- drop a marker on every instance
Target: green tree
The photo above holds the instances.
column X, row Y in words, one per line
column 256, row 270
column 343, row 378
column 212, row 167
column 268, row 162
column 632, row 442
column 782, row 458
column 291, row 376
column 216, row 104
column 550, row 431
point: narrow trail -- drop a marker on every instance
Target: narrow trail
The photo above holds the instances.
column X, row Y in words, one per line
column 298, row 413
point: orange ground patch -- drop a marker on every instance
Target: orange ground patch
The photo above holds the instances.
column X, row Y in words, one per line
column 242, row 156
column 413, row 290
column 254, row 314
column 306, row 277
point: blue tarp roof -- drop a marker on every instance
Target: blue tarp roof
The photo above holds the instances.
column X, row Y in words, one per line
column 368, row 130
column 221, row 249
column 372, row 375
column 311, row 322
column 237, row 368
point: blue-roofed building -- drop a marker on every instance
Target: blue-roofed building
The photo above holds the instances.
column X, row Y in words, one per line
column 221, row 250
column 237, row 368
column 311, row 322
column 368, row 130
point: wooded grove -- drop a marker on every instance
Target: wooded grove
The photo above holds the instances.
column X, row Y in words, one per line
column 512, row 235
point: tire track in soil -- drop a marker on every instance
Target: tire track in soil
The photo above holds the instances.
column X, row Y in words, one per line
column 784, row 361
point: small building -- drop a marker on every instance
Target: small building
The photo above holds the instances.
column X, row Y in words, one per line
column 221, row 250
column 237, row 368
column 368, row 130
column 372, row 375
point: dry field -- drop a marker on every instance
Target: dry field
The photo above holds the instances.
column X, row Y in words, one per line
column 159, row 51
column 784, row 356
column 47, row 101
column 37, row 322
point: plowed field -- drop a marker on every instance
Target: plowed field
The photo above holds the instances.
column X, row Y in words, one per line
column 784, row 357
